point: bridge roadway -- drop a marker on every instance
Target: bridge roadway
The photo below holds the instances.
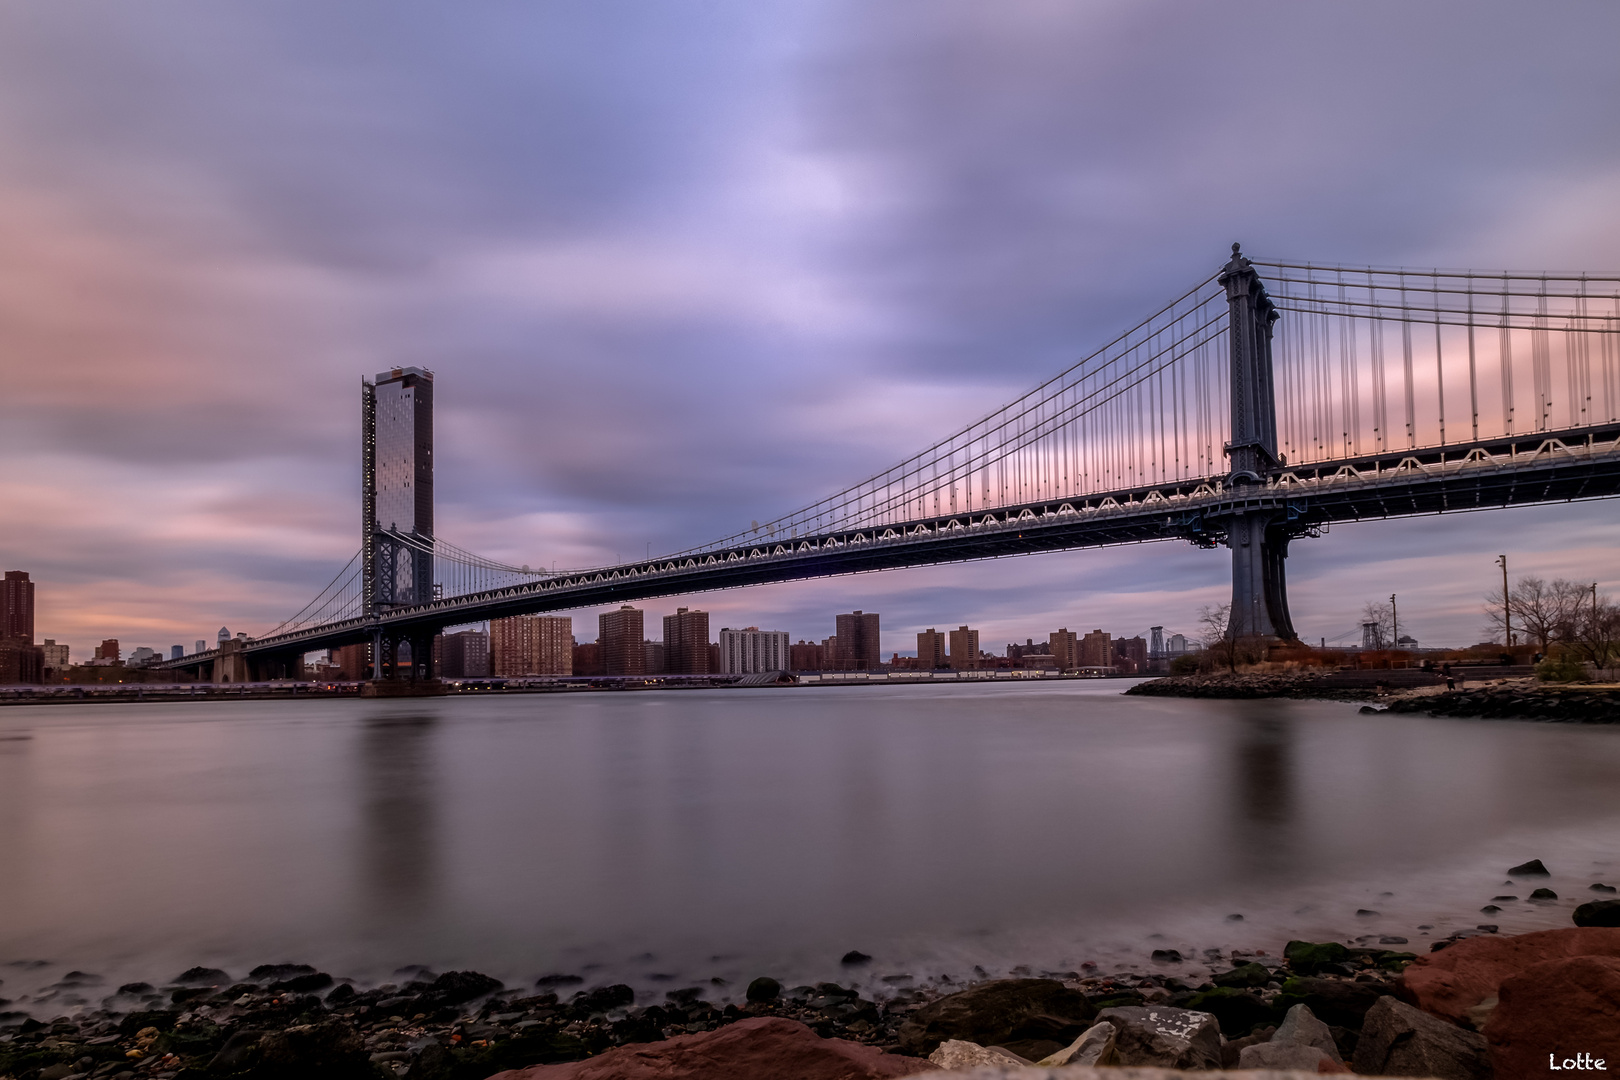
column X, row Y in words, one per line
column 1544, row 467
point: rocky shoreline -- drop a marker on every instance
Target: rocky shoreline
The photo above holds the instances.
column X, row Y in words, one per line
column 1313, row 684
column 1406, row 691
column 1320, row 1006
column 1520, row 699
column 289, row 1020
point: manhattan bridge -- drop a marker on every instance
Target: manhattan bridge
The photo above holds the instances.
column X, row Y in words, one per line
column 1266, row 403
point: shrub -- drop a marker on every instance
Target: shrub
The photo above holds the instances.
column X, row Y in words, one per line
column 1563, row 667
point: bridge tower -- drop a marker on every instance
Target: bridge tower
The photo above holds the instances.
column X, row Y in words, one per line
column 397, row 503
column 1257, row 526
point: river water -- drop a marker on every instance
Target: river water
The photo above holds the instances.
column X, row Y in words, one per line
column 669, row 838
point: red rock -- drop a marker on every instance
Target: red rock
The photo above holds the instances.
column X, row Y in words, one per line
column 766, row 1046
column 1561, row 1007
column 1450, row 982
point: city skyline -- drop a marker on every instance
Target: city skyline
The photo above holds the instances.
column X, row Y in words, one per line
column 1012, row 626
column 845, row 255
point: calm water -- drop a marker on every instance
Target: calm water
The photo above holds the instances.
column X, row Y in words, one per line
column 666, row 838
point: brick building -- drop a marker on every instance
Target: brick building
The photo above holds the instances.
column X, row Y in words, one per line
column 588, row 659
column 856, row 645
column 353, row 661
column 964, row 649
column 1131, row 654
column 806, row 656
column 686, row 643
column 619, row 635
column 17, row 607
column 465, row 655
column 532, row 645
column 1065, row 646
column 931, row 650
column 21, row 662
column 1097, row 650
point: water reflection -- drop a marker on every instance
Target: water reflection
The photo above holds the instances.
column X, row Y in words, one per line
column 1264, row 811
column 399, row 827
column 935, row 829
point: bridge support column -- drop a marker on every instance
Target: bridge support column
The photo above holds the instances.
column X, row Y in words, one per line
column 1259, row 543
column 384, row 657
column 422, row 657
column 231, row 665
column 1258, row 538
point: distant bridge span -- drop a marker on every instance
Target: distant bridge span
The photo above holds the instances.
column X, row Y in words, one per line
column 1550, row 468
column 1386, row 393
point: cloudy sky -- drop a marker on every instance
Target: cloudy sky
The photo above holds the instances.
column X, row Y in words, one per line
column 680, row 265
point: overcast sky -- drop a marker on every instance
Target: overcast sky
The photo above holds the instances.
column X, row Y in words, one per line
column 680, row 265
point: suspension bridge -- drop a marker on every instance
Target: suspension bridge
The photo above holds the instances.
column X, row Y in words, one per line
column 1265, row 404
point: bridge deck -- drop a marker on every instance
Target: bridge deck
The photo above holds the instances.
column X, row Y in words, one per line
column 1538, row 468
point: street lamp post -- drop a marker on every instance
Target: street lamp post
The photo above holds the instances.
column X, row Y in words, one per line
column 1507, row 608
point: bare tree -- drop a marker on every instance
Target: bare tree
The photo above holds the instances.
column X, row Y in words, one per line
column 1591, row 627
column 1378, row 623
column 1539, row 609
column 1212, row 622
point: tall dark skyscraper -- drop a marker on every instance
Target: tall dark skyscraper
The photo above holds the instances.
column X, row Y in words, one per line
column 397, row 495
column 17, row 607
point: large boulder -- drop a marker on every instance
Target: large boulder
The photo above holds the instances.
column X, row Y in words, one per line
column 955, row 1054
column 1030, row 1017
column 1160, row 1035
column 749, row 1049
column 1301, row 1028
column 1300, row 1042
column 331, row 1050
column 1308, row 957
column 1454, row 982
column 1398, row 1040
column 459, row 987
column 1094, row 1047
column 1244, row 976
column 1273, row 1055
column 1564, row 1008
column 1598, row 913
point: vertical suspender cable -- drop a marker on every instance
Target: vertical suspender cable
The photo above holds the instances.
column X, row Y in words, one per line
column 1406, row 364
column 1507, row 361
column 1473, row 382
column 1439, row 355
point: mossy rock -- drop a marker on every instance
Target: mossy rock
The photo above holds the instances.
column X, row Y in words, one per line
column 1244, row 975
column 1307, row 957
column 1395, row 961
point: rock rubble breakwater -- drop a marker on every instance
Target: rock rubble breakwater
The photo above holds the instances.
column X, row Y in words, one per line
column 1406, row 691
